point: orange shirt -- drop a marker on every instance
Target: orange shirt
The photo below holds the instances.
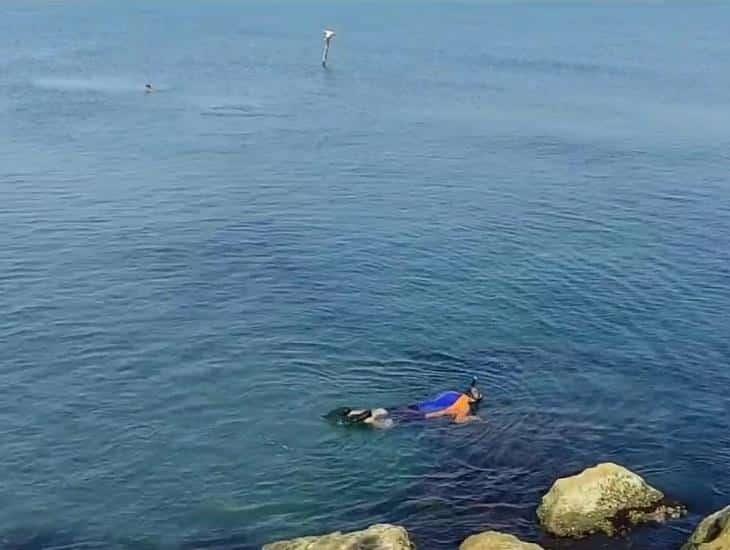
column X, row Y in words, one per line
column 461, row 408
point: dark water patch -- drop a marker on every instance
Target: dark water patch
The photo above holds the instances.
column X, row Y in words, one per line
column 435, row 357
column 32, row 539
column 221, row 542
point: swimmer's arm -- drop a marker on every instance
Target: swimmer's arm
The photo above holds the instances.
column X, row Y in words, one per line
column 438, row 414
column 466, row 418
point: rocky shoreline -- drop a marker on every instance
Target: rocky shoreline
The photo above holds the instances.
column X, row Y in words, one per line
column 606, row 498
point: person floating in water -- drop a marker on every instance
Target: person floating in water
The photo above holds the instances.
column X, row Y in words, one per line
column 459, row 406
column 148, row 88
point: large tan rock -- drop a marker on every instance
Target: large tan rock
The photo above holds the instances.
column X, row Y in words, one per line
column 493, row 540
column 376, row 537
column 713, row 533
column 606, row 498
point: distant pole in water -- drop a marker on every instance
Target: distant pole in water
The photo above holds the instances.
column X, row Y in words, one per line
column 328, row 36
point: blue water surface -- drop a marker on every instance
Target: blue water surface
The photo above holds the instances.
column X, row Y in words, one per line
column 534, row 192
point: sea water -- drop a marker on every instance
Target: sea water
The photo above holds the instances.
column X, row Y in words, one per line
column 536, row 193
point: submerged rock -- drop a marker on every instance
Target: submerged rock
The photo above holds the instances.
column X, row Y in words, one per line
column 606, row 498
column 713, row 532
column 493, row 540
column 376, row 537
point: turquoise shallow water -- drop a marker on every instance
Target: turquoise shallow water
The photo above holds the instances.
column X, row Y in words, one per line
column 536, row 193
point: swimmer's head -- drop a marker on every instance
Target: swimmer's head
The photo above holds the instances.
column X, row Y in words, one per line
column 474, row 392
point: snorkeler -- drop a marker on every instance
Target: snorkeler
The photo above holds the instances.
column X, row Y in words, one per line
column 459, row 406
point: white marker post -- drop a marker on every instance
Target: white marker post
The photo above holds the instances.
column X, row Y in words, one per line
column 328, row 36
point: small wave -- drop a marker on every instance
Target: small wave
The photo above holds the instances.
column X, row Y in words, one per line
column 31, row 539
column 554, row 65
column 96, row 84
column 240, row 111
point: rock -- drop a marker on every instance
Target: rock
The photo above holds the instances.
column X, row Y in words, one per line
column 376, row 537
column 493, row 540
column 606, row 498
column 713, row 533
